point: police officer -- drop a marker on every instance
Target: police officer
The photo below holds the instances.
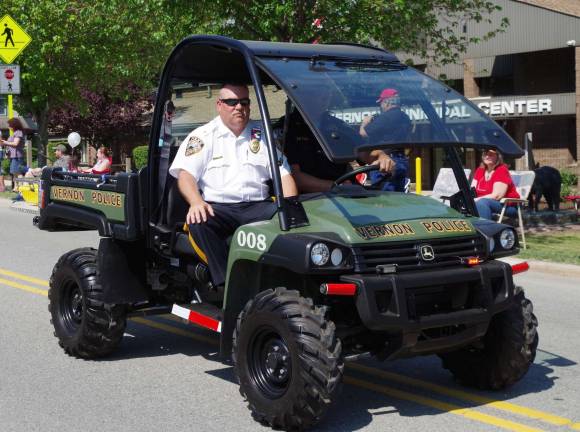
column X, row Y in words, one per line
column 228, row 160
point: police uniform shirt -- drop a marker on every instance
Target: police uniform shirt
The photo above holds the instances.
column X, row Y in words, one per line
column 228, row 169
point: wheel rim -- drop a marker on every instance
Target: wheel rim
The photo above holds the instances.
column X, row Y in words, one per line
column 270, row 364
column 71, row 306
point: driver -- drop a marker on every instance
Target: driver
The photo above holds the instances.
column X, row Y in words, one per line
column 228, row 160
column 390, row 125
column 312, row 170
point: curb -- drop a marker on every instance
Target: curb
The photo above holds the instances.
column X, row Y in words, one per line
column 20, row 206
column 547, row 267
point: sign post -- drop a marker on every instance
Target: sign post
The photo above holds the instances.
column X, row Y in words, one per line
column 13, row 40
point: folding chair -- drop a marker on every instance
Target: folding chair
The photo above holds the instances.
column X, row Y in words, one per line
column 523, row 181
column 445, row 184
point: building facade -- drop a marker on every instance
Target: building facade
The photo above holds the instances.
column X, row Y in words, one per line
column 527, row 78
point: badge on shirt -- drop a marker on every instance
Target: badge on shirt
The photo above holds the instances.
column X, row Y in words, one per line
column 255, row 137
column 194, row 145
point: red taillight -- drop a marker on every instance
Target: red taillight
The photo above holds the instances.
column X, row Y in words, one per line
column 341, row 289
column 520, row 268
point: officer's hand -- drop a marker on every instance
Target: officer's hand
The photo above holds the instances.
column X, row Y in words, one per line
column 198, row 212
column 386, row 164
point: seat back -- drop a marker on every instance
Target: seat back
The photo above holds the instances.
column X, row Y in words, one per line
column 177, row 207
column 445, row 184
column 523, row 181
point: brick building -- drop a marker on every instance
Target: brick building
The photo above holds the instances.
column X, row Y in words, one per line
column 527, row 78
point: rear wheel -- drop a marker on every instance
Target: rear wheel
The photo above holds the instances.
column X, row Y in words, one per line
column 508, row 349
column 287, row 359
column 85, row 326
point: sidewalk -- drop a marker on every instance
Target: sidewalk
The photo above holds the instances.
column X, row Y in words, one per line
column 568, row 270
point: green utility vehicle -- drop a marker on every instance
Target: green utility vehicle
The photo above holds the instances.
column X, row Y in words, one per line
column 332, row 277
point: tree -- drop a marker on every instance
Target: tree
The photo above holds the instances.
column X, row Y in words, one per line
column 430, row 29
column 107, row 120
column 91, row 45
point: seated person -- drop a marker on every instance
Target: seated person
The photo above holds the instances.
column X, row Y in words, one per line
column 312, row 170
column 103, row 164
column 228, row 160
column 62, row 158
column 390, row 125
column 492, row 182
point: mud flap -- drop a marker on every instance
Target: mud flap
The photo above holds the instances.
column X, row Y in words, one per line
column 121, row 267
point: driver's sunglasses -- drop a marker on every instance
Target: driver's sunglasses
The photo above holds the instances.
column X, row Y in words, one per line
column 234, row 102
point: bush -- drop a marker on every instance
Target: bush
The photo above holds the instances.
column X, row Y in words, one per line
column 140, row 156
column 569, row 183
column 5, row 167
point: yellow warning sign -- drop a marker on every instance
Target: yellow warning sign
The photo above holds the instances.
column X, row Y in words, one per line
column 13, row 39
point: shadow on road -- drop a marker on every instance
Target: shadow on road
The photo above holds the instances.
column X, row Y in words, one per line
column 355, row 407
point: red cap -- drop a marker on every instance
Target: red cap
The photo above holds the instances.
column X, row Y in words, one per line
column 387, row 93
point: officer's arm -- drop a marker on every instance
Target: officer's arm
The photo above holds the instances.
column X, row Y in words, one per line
column 308, row 183
column 289, row 186
column 198, row 208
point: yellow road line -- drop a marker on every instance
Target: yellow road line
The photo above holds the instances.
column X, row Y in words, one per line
column 441, row 406
column 33, row 280
column 24, row 287
column 421, row 400
column 505, row 406
column 459, row 394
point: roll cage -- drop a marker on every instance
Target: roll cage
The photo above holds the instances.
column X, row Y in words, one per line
column 218, row 59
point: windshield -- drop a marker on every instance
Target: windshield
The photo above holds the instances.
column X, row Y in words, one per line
column 354, row 105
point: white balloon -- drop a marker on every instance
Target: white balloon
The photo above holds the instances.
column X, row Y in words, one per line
column 74, row 139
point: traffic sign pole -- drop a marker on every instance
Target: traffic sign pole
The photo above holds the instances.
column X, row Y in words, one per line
column 10, row 111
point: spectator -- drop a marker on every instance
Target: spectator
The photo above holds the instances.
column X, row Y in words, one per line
column 103, row 164
column 62, row 158
column 15, row 146
column 492, row 182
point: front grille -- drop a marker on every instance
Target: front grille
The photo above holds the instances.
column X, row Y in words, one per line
column 406, row 255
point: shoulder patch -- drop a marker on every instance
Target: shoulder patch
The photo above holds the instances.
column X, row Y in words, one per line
column 194, row 145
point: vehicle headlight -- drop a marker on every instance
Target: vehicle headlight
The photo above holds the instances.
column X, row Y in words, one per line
column 507, row 239
column 319, row 254
column 336, row 257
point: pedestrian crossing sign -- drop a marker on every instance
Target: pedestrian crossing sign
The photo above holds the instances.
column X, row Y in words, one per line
column 13, row 39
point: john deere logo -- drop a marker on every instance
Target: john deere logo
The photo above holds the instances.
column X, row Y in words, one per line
column 427, row 253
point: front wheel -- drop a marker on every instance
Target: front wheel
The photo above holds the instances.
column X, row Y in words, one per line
column 85, row 326
column 507, row 351
column 287, row 359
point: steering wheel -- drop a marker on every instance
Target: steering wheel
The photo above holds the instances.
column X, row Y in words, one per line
column 354, row 173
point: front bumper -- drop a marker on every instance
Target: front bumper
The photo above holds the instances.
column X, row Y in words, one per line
column 433, row 310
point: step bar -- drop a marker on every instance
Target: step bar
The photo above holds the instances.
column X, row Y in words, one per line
column 197, row 318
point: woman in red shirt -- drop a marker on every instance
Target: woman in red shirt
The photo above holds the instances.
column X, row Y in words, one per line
column 492, row 182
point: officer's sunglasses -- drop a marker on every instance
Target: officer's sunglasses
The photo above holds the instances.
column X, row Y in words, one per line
column 235, row 102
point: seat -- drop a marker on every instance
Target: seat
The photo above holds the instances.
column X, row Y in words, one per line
column 446, row 185
column 523, row 181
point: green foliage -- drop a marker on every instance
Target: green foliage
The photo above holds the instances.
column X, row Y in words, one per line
column 431, row 29
column 569, row 183
column 140, row 154
column 5, row 167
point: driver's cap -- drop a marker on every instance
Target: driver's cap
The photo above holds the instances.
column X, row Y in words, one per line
column 387, row 93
